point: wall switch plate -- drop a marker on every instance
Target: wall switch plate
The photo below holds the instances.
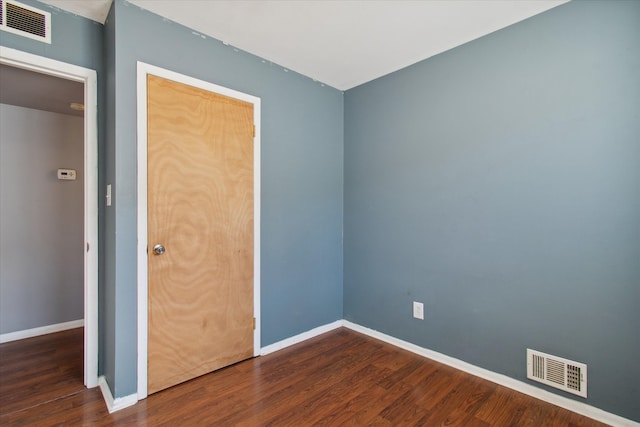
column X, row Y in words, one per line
column 418, row 310
column 108, row 195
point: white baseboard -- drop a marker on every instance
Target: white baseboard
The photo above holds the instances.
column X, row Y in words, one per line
column 117, row 403
column 42, row 330
column 563, row 402
column 300, row 337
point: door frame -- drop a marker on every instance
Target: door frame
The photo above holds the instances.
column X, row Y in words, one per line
column 40, row 64
column 143, row 69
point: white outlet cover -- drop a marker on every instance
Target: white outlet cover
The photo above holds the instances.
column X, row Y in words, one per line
column 418, row 310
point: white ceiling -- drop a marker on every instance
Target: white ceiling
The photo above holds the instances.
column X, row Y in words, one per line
column 95, row 10
column 340, row 43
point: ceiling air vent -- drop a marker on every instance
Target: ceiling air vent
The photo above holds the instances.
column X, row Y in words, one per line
column 557, row 372
column 26, row 21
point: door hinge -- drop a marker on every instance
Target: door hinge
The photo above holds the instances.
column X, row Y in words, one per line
column 254, row 323
column 87, row 246
column 254, row 131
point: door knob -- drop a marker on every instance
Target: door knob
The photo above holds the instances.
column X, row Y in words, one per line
column 158, row 249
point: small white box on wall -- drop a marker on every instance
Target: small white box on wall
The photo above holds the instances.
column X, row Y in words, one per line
column 67, row 174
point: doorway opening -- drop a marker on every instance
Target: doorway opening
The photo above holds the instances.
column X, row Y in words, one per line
column 81, row 193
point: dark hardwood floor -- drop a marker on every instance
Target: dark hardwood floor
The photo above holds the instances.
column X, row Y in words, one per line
column 40, row 369
column 339, row 378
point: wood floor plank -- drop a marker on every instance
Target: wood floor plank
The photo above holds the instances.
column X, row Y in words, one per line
column 404, row 408
column 312, row 378
column 476, row 392
column 350, row 411
column 503, row 406
column 438, row 386
column 317, row 408
column 341, row 378
column 40, row 369
column 368, row 412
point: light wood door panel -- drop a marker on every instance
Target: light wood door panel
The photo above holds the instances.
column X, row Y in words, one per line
column 200, row 207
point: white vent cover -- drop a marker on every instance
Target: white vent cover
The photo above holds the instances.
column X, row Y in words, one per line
column 557, row 372
column 27, row 21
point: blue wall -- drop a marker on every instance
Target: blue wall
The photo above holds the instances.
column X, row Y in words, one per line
column 301, row 177
column 499, row 183
column 108, row 304
column 74, row 40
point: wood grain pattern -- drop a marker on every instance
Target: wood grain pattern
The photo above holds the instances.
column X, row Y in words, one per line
column 340, row 378
column 200, row 207
column 40, row 368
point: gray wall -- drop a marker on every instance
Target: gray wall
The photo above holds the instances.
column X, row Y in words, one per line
column 41, row 219
column 302, row 149
column 499, row 183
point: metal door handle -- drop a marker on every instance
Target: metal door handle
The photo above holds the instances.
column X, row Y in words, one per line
column 158, row 249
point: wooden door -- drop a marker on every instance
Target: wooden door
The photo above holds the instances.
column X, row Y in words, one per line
column 200, row 208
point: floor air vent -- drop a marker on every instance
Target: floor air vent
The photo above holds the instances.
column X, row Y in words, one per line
column 557, row 372
column 26, row 21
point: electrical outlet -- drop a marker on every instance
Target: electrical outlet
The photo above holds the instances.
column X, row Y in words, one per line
column 418, row 310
